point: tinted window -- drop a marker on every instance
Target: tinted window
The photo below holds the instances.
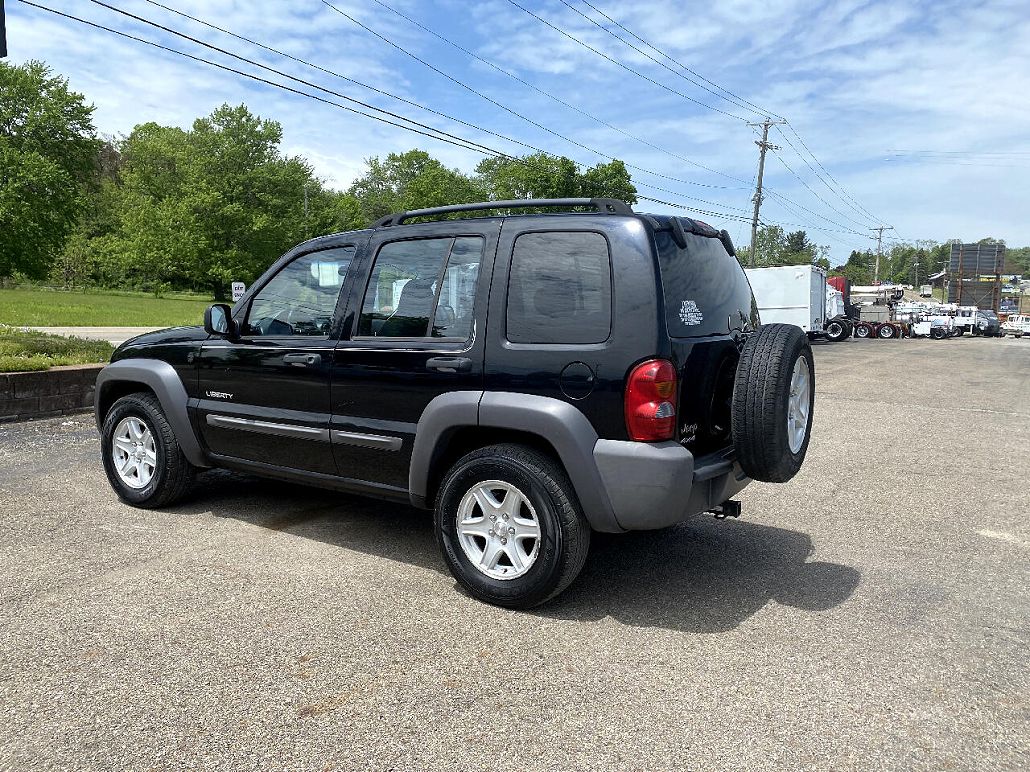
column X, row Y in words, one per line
column 301, row 298
column 423, row 288
column 706, row 290
column 560, row 289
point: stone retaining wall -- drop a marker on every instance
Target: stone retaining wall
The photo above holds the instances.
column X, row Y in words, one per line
column 56, row 391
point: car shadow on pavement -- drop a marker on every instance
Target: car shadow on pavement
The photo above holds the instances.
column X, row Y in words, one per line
column 704, row 576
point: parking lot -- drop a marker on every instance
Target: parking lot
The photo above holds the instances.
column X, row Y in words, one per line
column 871, row 613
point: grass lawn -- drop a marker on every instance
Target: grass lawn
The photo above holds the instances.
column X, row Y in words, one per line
column 53, row 308
column 20, row 350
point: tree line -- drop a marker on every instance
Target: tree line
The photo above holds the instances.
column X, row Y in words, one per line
column 167, row 208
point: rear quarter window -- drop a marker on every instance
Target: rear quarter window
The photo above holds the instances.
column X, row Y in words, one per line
column 706, row 291
column 560, row 288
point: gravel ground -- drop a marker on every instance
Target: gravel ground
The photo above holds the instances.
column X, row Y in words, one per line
column 872, row 613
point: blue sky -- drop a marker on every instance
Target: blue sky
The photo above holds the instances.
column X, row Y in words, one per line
column 860, row 82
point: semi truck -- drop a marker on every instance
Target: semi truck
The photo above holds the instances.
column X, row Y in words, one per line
column 800, row 295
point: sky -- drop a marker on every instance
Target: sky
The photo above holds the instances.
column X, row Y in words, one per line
column 908, row 114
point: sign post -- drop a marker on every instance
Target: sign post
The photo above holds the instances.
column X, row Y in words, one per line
column 238, row 290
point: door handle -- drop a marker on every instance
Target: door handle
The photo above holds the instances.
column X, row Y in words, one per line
column 302, row 360
column 449, row 364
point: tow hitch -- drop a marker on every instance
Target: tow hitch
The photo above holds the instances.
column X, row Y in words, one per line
column 726, row 509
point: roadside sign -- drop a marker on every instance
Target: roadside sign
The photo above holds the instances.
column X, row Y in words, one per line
column 238, row 289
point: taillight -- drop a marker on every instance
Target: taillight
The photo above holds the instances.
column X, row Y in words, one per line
column 650, row 412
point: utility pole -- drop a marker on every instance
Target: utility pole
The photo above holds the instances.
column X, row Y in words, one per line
column 879, row 249
column 3, row 32
column 307, row 231
column 763, row 145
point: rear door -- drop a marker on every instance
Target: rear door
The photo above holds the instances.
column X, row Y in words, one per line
column 414, row 331
column 265, row 397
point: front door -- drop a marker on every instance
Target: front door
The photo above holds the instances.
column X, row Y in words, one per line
column 417, row 331
column 265, row 397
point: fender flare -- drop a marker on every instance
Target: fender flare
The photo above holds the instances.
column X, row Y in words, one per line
column 562, row 425
column 162, row 379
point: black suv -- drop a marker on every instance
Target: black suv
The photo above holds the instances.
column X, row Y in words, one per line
column 531, row 377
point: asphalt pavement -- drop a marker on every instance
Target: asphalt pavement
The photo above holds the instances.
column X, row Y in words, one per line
column 871, row 613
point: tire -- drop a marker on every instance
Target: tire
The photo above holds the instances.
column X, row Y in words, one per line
column 887, row 331
column 171, row 475
column 775, row 365
column 836, row 331
column 958, row 331
column 558, row 554
column 938, row 333
column 850, row 327
column 863, row 330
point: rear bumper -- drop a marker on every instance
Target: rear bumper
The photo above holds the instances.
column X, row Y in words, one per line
column 654, row 485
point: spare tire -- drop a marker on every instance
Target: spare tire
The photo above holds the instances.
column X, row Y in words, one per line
column 773, row 402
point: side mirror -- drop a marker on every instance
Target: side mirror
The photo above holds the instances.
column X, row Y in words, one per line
column 218, row 321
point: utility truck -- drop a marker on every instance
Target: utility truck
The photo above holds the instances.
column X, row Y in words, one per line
column 799, row 295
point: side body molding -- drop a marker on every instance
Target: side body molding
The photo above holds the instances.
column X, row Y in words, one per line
column 161, row 378
column 560, row 424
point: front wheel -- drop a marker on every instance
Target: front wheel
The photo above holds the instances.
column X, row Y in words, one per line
column 143, row 461
column 510, row 527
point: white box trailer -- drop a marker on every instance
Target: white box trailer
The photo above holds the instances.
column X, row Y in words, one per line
column 791, row 294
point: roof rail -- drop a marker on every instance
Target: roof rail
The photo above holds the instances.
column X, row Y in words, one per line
column 601, row 205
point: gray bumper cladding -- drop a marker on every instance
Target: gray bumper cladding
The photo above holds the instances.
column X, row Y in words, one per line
column 654, row 485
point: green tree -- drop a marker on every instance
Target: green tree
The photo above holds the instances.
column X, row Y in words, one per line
column 200, row 208
column 48, row 146
column 545, row 176
column 411, row 180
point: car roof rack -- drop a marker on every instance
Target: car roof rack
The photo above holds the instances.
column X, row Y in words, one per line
column 601, row 205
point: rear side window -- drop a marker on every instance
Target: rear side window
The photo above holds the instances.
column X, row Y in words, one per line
column 560, row 288
column 423, row 288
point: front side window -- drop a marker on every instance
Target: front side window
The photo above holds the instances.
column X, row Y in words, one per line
column 560, row 288
column 301, row 298
column 424, row 288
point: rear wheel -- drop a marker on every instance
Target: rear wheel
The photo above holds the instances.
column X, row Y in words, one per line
column 863, row 330
column 773, row 401
column 937, row 333
column 958, row 331
column 836, row 330
column 887, row 331
column 510, row 527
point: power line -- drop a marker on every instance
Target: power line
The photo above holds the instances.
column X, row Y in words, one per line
column 843, row 194
column 645, row 77
column 517, row 114
column 625, row 66
column 280, row 73
column 824, row 201
column 460, row 143
column 380, row 91
column 551, row 96
column 740, row 101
